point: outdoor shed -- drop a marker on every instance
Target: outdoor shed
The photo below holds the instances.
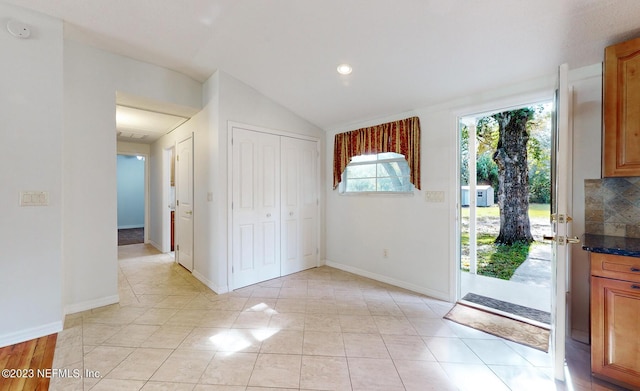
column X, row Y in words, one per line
column 484, row 195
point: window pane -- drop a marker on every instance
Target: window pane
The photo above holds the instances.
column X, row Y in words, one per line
column 389, row 169
column 394, row 184
column 361, row 171
column 389, row 155
column 361, row 185
column 375, row 173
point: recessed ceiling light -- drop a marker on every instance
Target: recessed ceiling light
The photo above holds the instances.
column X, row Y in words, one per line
column 344, row 69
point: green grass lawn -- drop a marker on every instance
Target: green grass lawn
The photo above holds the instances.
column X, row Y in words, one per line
column 535, row 211
column 499, row 261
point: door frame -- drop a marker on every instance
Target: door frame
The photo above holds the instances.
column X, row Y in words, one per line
column 168, row 164
column 558, row 300
column 230, row 126
column 530, row 97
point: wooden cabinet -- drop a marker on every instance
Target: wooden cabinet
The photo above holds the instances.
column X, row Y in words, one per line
column 615, row 318
column 621, row 141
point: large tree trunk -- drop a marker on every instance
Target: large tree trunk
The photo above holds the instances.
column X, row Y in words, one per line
column 513, row 176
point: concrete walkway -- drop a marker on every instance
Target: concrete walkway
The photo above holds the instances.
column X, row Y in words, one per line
column 536, row 269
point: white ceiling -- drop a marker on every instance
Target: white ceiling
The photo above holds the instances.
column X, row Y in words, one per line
column 406, row 54
column 144, row 126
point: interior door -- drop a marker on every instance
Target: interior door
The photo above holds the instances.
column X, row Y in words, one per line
column 561, row 220
column 255, row 207
column 299, row 198
column 184, row 203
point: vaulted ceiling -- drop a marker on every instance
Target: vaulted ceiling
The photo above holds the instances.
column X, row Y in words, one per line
column 405, row 54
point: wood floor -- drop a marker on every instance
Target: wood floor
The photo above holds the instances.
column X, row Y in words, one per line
column 23, row 365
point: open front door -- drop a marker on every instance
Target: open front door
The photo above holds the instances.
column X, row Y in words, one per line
column 561, row 220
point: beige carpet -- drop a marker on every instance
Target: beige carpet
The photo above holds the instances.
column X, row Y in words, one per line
column 503, row 327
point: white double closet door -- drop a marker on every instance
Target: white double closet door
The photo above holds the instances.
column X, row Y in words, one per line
column 275, row 212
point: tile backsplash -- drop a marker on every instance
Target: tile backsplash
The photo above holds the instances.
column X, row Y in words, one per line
column 612, row 206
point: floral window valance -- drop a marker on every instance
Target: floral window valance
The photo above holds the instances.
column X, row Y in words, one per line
column 401, row 137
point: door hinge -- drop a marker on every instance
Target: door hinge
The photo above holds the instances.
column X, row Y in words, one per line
column 177, row 158
column 177, row 202
column 177, row 247
column 232, row 269
column 317, row 250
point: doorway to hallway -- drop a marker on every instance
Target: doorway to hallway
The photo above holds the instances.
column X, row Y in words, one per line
column 131, row 199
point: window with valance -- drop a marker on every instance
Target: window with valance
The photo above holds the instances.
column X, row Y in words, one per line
column 400, row 137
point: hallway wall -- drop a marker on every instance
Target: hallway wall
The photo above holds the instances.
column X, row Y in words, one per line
column 31, row 76
column 92, row 79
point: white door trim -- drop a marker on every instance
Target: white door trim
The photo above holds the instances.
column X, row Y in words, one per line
column 166, row 197
column 561, row 251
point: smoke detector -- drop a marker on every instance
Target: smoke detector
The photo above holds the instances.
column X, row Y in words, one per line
column 18, row 29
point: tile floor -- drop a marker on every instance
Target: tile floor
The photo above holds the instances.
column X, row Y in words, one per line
column 321, row 329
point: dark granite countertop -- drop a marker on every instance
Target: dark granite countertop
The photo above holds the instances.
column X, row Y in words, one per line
column 616, row 245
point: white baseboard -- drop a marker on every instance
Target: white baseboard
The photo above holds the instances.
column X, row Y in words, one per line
column 388, row 280
column 218, row 290
column 156, row 246
column 90, row 304
column 29, row 334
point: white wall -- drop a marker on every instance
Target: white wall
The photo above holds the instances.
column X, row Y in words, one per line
column 92, row 78
column 421, row 236
column 31, row 123
column 416, row 233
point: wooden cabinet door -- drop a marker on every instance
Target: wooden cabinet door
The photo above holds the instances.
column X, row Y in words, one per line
column 621, row 142
column 615, row 326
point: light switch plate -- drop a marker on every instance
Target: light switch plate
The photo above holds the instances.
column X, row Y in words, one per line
column 34, row 198
column 434, row 196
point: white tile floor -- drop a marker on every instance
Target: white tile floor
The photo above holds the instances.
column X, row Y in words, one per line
column 322, row 329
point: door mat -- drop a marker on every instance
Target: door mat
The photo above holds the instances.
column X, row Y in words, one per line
column 510, row 308
column 500, row 326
